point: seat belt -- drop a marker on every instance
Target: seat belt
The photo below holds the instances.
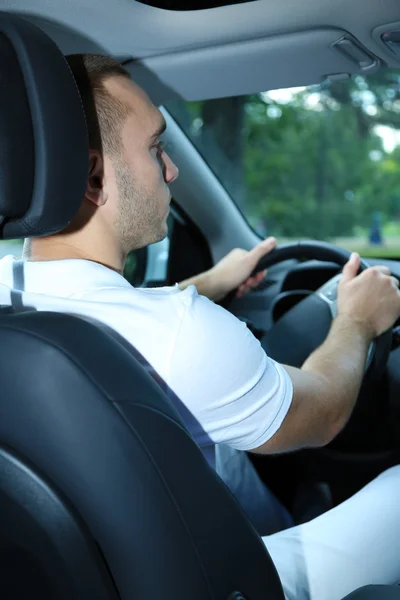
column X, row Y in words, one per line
column 200, row 436
column 18, row 286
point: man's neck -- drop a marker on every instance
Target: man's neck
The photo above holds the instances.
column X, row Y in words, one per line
column 59, row 247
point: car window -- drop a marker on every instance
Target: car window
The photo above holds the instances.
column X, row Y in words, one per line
column 135, row 266
column 157, row 264
column 13, row 247
column 319, row 162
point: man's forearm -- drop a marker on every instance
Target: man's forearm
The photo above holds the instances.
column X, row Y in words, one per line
column 325, row 389
column 340, row 362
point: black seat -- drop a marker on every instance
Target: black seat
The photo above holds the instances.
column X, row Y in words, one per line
column 88, row 422
column 103, row 493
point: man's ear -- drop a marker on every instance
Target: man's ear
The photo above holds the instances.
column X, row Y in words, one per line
column 95, row 191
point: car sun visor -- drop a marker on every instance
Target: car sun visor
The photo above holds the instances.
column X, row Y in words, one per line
column 251, row 66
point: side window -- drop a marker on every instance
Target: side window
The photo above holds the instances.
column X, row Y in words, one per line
column 189, row 253
column 13, row 247
column 135, row 266
column 157, row 263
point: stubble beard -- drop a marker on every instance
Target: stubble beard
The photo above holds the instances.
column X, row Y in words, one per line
column 138, row 221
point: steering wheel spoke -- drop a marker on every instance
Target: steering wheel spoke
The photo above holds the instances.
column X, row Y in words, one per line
column 328, row 293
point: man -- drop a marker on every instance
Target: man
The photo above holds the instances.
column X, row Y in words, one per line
column 238, row 395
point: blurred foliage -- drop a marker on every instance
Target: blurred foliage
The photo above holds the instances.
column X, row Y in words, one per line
column 308, row 163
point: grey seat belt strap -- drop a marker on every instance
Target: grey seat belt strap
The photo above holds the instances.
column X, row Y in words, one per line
column 18, row 285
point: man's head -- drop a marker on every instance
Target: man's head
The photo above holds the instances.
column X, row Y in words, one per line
column 127, row 191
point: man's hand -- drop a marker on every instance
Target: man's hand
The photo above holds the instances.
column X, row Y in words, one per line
column 232, row 272
column 371, row 299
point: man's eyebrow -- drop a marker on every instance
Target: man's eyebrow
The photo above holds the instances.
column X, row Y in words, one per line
column 160, row 130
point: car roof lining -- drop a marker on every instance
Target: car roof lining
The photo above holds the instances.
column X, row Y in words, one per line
column 167, row 45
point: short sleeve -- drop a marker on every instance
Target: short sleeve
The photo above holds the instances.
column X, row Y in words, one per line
column 219, row 370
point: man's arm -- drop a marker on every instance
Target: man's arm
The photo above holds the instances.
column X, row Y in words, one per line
column 325, row 389
column 250, row 410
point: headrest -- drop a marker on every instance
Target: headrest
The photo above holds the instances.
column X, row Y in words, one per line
column 44, row 148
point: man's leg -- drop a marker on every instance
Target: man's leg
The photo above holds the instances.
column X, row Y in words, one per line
column 263, row 509
column 357, row 543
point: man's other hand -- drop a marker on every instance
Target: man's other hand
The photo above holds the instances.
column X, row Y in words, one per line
column 233, row 272
column 371, row 299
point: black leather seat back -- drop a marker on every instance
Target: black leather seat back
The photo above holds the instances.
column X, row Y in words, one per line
column 88, row 418
column 46, row 550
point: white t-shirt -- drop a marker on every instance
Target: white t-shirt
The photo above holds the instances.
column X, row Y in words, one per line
column 207, row 357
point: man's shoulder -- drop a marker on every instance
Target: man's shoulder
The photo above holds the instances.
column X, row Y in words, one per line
column 170, row 290
column 160, row 300
column 172, row 293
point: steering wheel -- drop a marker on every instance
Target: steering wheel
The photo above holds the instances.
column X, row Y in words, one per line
column 305, row 326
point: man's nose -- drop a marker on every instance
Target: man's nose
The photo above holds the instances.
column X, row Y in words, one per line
column 171, row 171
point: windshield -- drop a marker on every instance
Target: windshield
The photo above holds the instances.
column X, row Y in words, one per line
column 318, row 162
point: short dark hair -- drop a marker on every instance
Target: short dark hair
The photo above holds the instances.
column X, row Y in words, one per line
column 105, row 115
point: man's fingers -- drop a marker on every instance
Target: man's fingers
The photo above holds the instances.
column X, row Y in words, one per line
column 350, row 269
column 395, row 281
column 262, row 249
column 382, row 269
column 253, row 281
column 260, row 276
column 240, row 291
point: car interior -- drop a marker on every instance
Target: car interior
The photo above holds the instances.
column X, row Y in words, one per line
column 94, row 458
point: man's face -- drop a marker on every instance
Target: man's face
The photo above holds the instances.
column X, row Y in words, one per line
column 138, row 178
